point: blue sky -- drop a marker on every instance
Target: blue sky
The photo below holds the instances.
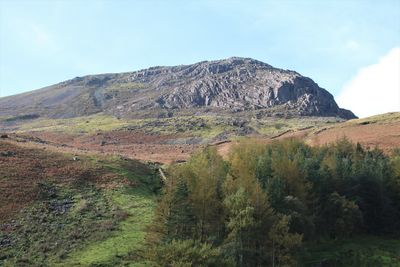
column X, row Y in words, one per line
column 45, row 42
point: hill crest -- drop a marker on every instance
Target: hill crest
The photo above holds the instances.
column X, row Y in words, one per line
column 231, row 85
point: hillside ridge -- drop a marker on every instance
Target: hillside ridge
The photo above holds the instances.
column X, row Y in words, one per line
column 231, row 85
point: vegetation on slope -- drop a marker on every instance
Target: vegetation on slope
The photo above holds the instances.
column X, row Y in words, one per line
column 281, row 204
column 206, row 127
column 381, row 119
column 82, row 212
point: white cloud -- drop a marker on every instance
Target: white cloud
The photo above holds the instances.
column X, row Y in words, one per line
column 375, row 89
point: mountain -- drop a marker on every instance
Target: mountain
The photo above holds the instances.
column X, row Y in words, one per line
column 232, row 85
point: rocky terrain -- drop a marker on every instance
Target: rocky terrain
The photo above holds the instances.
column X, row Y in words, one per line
column 233, row 85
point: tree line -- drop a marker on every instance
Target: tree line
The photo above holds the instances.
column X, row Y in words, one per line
column 261, row 205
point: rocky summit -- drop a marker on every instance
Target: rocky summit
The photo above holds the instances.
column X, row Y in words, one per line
column 233, row 85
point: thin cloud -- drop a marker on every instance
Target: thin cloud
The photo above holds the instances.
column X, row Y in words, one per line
column 352, row 45
column 375, row 89
column 35, row 35
column 40, row 36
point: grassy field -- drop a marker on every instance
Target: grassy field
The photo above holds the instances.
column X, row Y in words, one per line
column 201, row 126
column 88, row 124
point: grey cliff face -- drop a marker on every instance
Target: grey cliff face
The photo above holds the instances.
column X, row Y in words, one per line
column 230, row 85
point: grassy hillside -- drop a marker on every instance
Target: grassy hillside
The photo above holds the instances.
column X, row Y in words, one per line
column 57, row 211
column 206, row 127
column 381, row 130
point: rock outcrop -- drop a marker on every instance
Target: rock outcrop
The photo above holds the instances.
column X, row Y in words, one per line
column 231, row 85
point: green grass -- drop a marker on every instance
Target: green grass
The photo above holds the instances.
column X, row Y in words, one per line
column 22, row 117
column 44, row 237
column 126, row 86
column 104, row 227
column 138, row 204
column 205, row 127
column 90, row 124
column 127, row 239
column 357, row 252
column 275, row 126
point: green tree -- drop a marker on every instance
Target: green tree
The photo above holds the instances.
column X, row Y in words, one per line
column 242, row 176
column 240, row 220
column 283, row 243
column 206, row 172
column 340, row 216
column 181, row 221
column 188, row 253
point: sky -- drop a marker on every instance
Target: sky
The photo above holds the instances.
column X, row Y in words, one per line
column 346, row 46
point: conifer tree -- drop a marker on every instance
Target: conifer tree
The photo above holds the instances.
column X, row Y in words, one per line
column 207, row 171
column 283, row 243
column 181, row 221
column 240, row 220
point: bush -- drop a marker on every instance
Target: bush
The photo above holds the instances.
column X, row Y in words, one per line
column 187, row 253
